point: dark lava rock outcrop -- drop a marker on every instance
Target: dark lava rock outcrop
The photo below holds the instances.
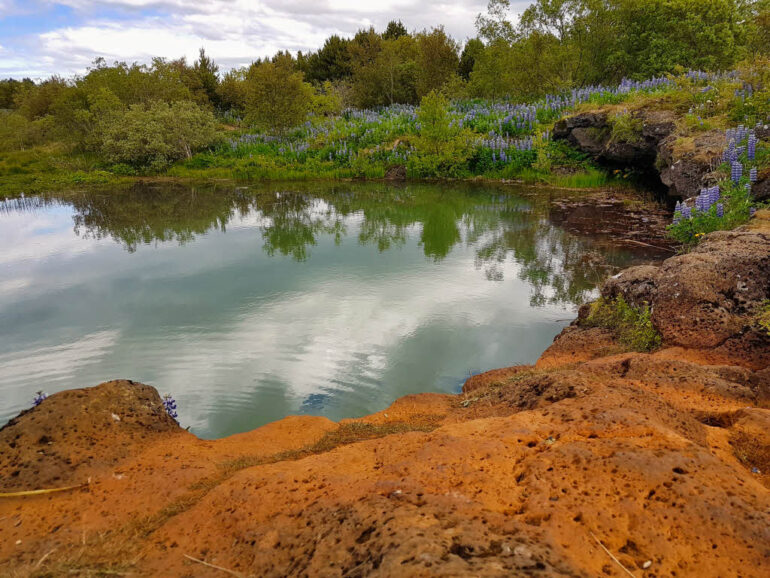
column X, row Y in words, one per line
column 682, row 165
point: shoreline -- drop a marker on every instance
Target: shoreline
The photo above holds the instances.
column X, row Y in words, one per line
column 541, row 467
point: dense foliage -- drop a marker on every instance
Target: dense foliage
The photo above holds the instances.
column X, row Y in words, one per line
column 359, row 105
column 156, row 135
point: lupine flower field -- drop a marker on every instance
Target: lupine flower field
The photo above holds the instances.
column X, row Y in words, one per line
column 493, row 139
column 501, row 138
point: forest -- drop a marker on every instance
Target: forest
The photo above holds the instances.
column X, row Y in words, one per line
column 440, row 106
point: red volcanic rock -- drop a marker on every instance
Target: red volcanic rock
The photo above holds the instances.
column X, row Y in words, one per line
column 663, row 458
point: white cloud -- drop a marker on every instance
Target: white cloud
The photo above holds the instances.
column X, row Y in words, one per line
column 234, row 32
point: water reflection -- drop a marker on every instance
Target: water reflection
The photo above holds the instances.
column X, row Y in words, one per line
column 249, row 303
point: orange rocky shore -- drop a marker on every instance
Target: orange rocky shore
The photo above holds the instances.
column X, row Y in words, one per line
column 592, row 462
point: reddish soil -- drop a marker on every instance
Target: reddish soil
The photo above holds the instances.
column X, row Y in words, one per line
column 593, row 462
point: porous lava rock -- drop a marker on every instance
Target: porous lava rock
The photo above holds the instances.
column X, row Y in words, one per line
column 593, row 462
column 78, row 430
column 708, row 298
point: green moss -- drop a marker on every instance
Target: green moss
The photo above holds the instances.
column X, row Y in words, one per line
column 763, row 317
column 631, row 325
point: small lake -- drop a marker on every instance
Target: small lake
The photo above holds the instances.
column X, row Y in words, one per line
column 248, row 304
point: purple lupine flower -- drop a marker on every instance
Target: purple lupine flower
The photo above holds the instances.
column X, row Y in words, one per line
column 751, row 147
column 39, row 397
column 753, row 175
column 752, row 210
column 736, row 172
column 169, row 404
column 720, row 210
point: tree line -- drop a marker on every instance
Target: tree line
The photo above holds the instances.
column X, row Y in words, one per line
column 554, row 45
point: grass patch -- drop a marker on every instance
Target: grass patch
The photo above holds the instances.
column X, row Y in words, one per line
column 631, row 325
column 626, row 128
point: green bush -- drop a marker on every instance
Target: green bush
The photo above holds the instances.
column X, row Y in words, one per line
column 442, row 148
column 632, row 326
column 277, row 98
column 153, row 137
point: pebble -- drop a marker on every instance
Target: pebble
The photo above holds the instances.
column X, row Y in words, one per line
column 647, row 564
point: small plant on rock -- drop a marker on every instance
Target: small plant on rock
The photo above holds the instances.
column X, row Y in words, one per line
column 632, row 325
column 763, row 318
column 39, row 397
column 626, row 128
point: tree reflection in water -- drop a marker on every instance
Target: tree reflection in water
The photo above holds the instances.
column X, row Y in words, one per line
column 502, row 223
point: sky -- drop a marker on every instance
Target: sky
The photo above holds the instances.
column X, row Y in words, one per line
column 43, row 37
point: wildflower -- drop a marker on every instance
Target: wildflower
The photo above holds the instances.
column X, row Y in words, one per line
column 736, row 172
column 720, row 210
column 169, row 404
column 753, row 175
column 751, row 147
column 39, row 397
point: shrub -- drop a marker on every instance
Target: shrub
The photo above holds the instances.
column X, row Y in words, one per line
column 443, row 147
column 18, row 133
column 632, row 325
column 153, row 137
column 277, row 98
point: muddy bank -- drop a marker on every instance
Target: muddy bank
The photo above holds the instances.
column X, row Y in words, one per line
column 661, row 460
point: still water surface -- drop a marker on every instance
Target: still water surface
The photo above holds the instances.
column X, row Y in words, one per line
column 249, row 304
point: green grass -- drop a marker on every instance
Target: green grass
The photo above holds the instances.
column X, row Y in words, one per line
column 626, row 128
column 632, row 325
column 50, row 168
